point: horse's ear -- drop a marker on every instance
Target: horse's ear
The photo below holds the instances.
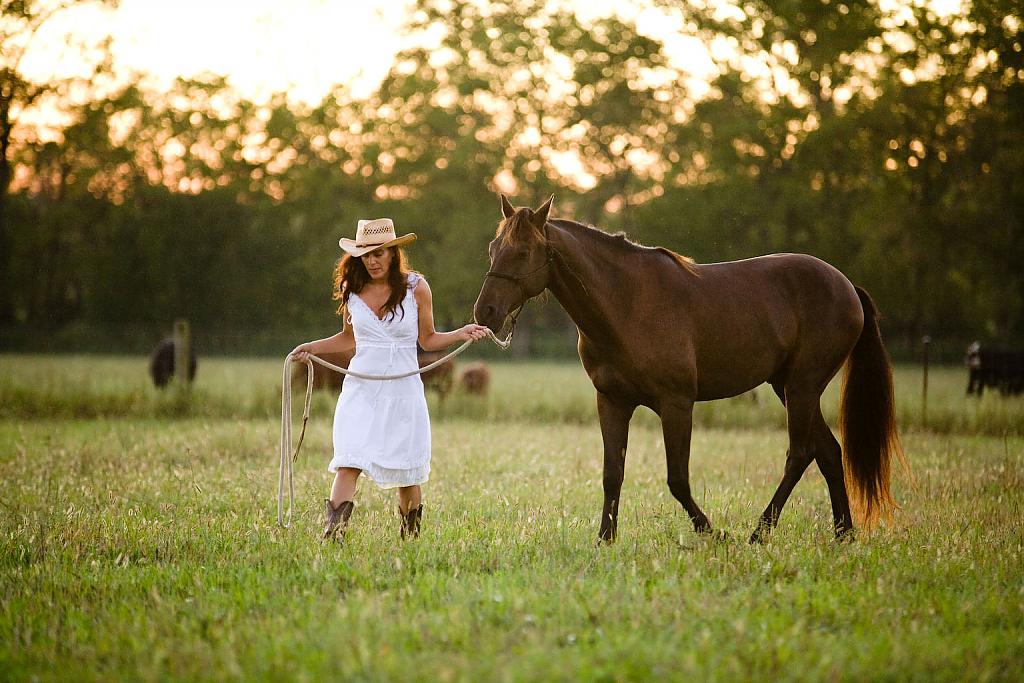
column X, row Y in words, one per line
column 540, row 216
column 506, row 207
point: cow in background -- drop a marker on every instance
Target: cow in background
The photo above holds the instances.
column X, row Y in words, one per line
column 475, row 379
column 439, row 379
column 997, row 368
column 161, row 363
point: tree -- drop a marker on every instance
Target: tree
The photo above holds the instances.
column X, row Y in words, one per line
column 20, row 22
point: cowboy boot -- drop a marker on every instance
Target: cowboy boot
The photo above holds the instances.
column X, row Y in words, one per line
column 411, row 522
column 336, row 519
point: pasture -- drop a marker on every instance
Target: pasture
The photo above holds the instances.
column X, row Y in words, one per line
column 89, row 386
column 138, row 541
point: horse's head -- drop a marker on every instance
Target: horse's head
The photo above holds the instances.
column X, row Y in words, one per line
column 520, row 264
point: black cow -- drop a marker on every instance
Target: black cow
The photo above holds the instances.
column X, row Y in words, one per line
column 161, row 363
column 999, row 368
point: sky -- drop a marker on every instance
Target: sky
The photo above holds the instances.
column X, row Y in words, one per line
column 262, row 46
column 303, row 47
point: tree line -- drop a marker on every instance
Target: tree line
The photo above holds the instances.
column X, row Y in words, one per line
column 887, row 140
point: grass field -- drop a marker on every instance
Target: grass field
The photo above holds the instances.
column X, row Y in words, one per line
column 116, row 386
column 138, row 547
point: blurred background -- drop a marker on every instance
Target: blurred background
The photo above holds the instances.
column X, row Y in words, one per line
column 199, row 160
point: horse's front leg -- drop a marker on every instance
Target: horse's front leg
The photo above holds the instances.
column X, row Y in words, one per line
column 676, row 424
column 614, row 417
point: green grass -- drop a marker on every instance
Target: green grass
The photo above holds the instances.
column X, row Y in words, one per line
column 144, row 549
column 115, row 386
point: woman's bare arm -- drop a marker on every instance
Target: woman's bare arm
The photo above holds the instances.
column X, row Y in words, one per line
column 343, row 341
column 429, row 338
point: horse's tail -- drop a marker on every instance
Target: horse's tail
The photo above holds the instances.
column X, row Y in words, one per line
column 867, row 421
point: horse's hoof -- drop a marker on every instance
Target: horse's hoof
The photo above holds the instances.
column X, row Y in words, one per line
column 761, row 533
column 845, row 535
column 702, row 526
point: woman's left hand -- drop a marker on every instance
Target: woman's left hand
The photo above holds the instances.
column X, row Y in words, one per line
column 471, row 332
column 301, row 352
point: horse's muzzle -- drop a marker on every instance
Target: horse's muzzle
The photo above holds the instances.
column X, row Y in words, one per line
column 487, row 315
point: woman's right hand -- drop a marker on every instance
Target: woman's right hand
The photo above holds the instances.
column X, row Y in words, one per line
column 471, row 332
column 301, row 352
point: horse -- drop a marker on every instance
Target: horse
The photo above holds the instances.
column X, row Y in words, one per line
column 658, row 330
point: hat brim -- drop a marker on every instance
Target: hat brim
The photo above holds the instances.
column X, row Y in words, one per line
column 351, row 247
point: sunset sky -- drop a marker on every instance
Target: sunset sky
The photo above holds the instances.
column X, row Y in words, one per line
column 307, row 47
column 263, row 46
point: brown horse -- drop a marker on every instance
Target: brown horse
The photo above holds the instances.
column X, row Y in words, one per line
column 657, row 330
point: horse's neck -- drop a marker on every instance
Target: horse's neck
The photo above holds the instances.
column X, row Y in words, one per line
column 590, row 282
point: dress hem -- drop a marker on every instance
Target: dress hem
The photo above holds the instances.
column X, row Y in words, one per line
column 384, row 477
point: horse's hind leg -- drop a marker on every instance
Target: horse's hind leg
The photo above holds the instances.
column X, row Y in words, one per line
column 677, row 423
column 614, row 419
column 800, row 409
column 829, row 456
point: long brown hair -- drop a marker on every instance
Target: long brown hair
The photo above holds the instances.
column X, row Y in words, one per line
column 350, row 276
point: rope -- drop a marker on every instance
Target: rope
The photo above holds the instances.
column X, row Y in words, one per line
column 288, row 456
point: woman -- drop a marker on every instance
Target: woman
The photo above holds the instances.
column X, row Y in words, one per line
column 381, row 428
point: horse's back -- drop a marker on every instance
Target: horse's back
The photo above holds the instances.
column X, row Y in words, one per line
column 781, row 282
column 773, row 266
column 774, row 312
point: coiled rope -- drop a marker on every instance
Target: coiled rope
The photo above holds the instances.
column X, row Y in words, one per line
column 288, row 456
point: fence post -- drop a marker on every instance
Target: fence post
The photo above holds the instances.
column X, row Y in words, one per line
column 927, row 342
column 182, row 351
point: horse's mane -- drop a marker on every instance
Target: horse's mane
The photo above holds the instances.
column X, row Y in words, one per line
column 518, row 228
column 620, row 241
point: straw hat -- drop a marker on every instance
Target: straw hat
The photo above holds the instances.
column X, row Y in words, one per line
column 374, row 234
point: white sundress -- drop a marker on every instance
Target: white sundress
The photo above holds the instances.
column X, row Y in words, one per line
column 382, row 427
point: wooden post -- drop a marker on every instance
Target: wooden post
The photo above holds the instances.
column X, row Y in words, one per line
column 927, row 342
column 182, row 351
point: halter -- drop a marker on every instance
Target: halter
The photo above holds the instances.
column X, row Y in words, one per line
column 519, row 279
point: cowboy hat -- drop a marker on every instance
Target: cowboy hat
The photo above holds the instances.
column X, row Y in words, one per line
column 374, row 234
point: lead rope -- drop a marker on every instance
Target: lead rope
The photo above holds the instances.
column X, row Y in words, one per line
column 287, row 455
